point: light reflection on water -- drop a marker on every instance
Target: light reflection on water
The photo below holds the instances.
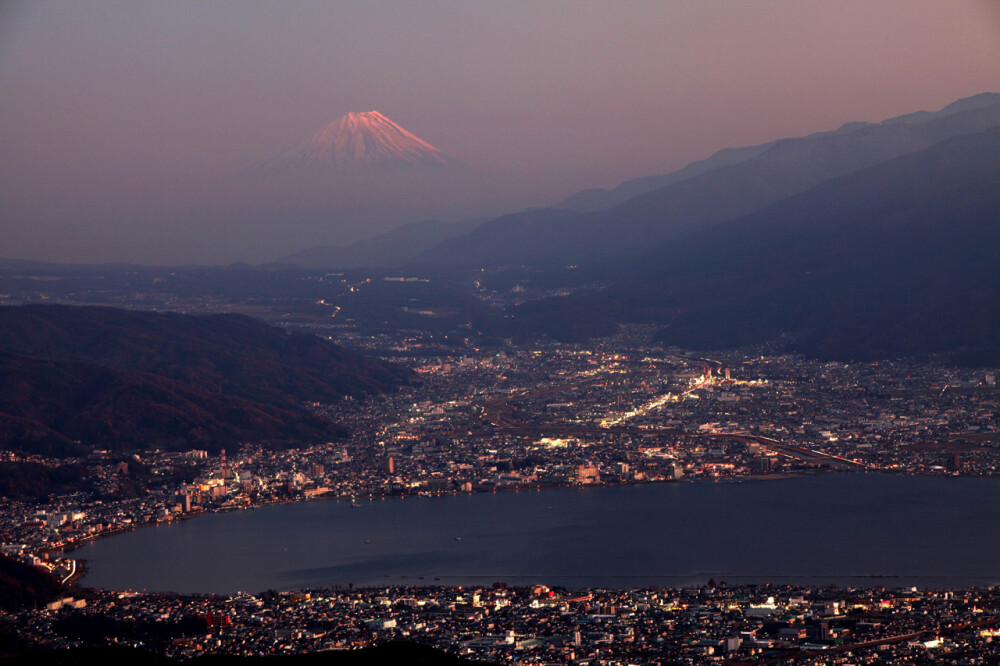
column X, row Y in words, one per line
column 847, row 529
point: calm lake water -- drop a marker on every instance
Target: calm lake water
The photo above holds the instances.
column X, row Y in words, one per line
column 848, row 529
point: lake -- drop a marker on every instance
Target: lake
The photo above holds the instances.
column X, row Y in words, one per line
column 845, row 529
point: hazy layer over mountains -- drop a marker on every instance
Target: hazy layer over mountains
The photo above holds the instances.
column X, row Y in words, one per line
column 785, row 168
column 870, row 241
column 602, row 199
column 388, row 249
column 597, row 224
column 360, row 176
column 897, row 259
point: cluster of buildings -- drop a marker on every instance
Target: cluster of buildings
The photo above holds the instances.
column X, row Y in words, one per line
column 537, row 625
column 550, row 417
column 553, row 417
column 569, row 415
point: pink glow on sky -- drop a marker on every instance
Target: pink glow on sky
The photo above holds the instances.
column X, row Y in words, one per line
column 117, row 116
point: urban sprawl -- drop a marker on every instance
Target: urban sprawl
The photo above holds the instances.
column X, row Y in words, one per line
column 620, row 412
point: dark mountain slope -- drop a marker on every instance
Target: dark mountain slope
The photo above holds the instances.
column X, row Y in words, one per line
column 81, row 406
column 786, row 168
column 234, row 354
column 24, row 586
column 893, row 260
column 126, row 380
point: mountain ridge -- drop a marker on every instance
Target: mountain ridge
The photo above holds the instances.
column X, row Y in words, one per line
column 595, row 199
column 893, row 260
column 132, row 379
column 785, row 168
column 571, row 231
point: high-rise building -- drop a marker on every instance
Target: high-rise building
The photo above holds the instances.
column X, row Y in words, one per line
column 586, row 474
column 824, row 631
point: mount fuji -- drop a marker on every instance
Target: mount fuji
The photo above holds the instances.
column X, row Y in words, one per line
column 362, row 142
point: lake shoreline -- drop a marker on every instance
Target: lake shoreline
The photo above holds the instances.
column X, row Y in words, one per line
column 851, row 528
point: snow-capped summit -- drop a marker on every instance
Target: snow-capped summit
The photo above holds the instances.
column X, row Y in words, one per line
column 362, row 141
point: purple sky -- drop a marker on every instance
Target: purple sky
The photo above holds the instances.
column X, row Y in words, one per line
column 121, row 122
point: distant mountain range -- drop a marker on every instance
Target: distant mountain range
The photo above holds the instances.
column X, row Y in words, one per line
column 872, row 240
column 596, row 225
column 896, row 259
column 603, row 199
column 77, row 378
column 869, row 241
column 361, row 142
column 785, row 168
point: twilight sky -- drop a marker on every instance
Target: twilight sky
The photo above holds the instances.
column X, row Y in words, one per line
column 123, row 124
